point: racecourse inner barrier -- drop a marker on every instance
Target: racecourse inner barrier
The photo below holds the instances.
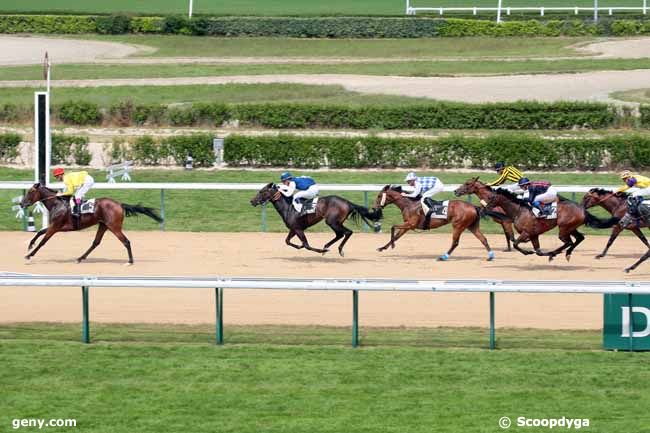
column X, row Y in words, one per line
column 218, row 284
column 365, row 188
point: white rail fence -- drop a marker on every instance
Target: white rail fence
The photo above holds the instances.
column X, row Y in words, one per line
column 500, row 9
column 218, row 284
column 162, row 187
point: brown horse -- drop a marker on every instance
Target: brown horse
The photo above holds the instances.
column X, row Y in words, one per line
column 616, row 205
column 333, row 209
column 109, row 214
column 570, row 216
column 460, row 214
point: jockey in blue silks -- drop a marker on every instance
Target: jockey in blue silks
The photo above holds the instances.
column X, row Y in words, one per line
column 300, row 187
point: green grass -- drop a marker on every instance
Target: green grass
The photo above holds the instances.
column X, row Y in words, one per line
column 409, row 69
column 189, row 46
column 225, row 93
column 641, row 96
column 230, row 211
column 307, row 379
column 269, row 7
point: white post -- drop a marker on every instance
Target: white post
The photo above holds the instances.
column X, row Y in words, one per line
column 645, row 6
column 595, row 10
column 191, row 8
column 408, row 7
column 499, row 11
column 46, row 72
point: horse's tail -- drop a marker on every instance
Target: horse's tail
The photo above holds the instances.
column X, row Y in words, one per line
column 597, row 223
column 131, row 210
column 364, row 213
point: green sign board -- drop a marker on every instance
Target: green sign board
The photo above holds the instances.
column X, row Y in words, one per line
column 627, row 322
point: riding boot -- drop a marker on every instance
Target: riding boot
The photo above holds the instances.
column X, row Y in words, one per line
column 427, row 220
column 633, row 206
column 76, row 215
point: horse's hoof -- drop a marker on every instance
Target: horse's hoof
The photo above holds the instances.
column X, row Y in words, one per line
column 627, row 270
column 491, row 256
column 507, row 250
column 380, row 250
column 28, row 258
column 443, row 258
column 341, row 254
column 600, row 256
column 128, row 264
column 550, row 258
column 78, row 261
column 568, row 257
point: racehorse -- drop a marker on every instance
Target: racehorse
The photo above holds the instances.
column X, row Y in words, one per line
column 570, row 216
column 616, row 204
column 109, row 214
column 460, row 214
column 333, row 209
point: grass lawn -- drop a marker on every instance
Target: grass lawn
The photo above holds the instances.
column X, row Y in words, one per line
column 191, row 46
column 271, row 7
column 637, row 95
column 213, row 210
column 308, row 379
column 409, row 69
column 225, row 93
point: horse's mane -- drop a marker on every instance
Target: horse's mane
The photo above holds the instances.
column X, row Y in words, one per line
column 512, row 197
column 601, row 192
column 396, row 188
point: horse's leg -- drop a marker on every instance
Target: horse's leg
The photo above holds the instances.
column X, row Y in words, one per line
column 481, row 237
column 507, row 232
column 303, row 239
column 524, row 238
column 643, row 258
column 579, row 237
column 98, row 239
column 615, row 232
column 290, row 236
column 125, row 241
column 637, row 231
column 40, row 233
column 48, row 234
column 455, row 240
column 394, row 237
column 565, row 236
column 339, row 231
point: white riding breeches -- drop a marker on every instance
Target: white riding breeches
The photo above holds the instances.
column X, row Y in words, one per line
column 438, row 187
column 307, row 194
column 83, row 189
column 513, row 188
column 548, row 197
column 641, row 192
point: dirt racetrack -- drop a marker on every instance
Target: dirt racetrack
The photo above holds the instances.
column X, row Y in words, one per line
column 264, row 254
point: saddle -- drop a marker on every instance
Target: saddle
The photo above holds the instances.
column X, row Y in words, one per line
column 549, row 211
column 437, row 209
column 637, row 210
column 309, row 206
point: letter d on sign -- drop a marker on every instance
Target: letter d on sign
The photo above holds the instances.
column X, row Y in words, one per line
column 625, row 322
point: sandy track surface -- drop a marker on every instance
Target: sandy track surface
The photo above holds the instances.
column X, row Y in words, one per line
column 583, row 86
column 259, row 254
column 27, row 50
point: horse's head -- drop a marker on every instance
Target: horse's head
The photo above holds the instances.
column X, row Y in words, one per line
column 595, row 196
column 388, row 194
column 33, row 195
column 267, row 193
column 471, row 186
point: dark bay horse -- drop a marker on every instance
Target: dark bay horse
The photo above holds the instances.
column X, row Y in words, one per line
column 570, row 216
column 616, row 205
column 460, row 214
column 333, row 209
column 109, row 214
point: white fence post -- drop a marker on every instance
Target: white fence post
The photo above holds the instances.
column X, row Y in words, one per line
column 190, row 13
column 499, row 11
column 596, row 11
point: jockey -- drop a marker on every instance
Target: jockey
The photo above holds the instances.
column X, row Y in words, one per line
column 300, row 187
column 427, row 187
column 539, row 192
column 506, row 174
column 77, row 184
column 633, row 180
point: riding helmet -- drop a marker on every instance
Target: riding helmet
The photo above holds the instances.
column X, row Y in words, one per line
column 499, row 165
column 58, row 171
column 286, row 176
column 523, row 181
column 410, row 176
column 625, row 174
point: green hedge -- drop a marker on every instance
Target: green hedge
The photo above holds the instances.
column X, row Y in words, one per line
column 70, row 149
column 524, row 150
column 435, row 115
column 320, row 27
column 147, row 150
column 9, row 143
column 645, row 115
